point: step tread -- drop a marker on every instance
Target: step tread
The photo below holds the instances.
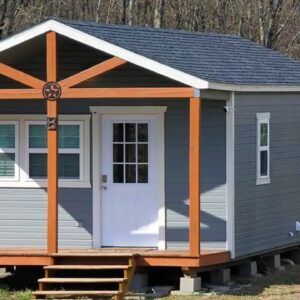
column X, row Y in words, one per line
column 95, row 254
column 77, row 293
column 87, row 267
column 81, row 280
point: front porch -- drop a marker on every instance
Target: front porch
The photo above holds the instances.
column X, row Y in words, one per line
column 144, row 257
column 64, row 96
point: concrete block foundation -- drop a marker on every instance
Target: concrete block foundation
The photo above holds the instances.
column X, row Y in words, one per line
column 248, row 269
column 190, row 285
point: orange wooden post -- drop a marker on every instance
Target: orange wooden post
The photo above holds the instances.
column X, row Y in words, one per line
column 194, row 176
column 52, row 135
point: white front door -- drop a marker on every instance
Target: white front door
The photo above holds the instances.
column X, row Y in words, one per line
column 129, row 181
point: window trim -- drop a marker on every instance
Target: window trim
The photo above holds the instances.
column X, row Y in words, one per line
column 22, row 150
column 262, row 118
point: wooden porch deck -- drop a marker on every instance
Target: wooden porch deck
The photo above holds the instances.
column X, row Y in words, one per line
column 144, row 256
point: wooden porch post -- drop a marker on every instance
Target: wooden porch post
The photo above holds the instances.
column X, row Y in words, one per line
column 194, row 175
column 52, row 137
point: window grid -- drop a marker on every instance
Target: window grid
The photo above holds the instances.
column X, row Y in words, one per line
column 263, row 148
column 136, row 163
column 61, row 151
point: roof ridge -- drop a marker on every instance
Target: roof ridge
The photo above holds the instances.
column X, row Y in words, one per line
column 145, row 28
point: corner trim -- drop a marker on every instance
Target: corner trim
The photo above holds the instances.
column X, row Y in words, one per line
column 230, row 175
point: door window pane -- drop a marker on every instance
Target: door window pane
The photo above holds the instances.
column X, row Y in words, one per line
column 118, row 173
column 131, row 173
column 130, row 153
column 143, row 153
column 264, row 134
column 118, row 150
column 7, row 164
column 37, row 165
column 118, row 132
column 7, row 136
column 69, row 166
column 130, row 130
column 37, row 136
column 263, row 163
column 143, row 132
column 69, row 136
column 143, row 173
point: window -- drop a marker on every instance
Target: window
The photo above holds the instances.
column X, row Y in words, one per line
column 130, row 152
column 70, row 149
column 23, row 151
column 8, row 150
column 263, row 148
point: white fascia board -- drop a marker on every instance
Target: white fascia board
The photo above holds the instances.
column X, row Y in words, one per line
column 94, row 42
column 253, row 88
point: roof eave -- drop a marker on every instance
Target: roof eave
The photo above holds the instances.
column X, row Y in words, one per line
column 253, row 87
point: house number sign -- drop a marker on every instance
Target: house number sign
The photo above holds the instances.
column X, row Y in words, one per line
column 52, row 91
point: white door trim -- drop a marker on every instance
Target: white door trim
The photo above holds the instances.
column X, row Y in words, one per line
column 97, row 111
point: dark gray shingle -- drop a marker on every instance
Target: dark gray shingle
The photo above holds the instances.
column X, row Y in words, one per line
column 213, row 57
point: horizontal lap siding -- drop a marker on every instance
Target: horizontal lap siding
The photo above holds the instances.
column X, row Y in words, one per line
column 213, row 182
column 265, row 214
column 23, row 218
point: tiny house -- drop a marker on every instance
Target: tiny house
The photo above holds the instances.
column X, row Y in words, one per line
column 130, row 147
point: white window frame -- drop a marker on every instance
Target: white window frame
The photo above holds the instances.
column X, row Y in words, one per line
column 262, row 118
column 22, row 151
column 12, row 150
column 29, row 150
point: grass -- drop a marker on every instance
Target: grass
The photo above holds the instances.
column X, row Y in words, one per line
column 278, row 285
column 20, row 295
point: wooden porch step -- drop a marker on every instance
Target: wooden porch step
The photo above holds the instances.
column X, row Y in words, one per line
column 77, row 293
column 81, row 280
column 87, row 267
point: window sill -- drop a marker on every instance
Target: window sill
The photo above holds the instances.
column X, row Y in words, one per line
column 262, row 181
column 43, row 184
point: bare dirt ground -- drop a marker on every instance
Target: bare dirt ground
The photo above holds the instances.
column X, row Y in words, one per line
column 277, row 285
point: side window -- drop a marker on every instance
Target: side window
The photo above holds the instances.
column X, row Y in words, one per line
column 8, row 151
column 263, row 149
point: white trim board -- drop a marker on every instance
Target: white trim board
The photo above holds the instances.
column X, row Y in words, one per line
column 97, row 111
column 230, row 173
column 134, row 58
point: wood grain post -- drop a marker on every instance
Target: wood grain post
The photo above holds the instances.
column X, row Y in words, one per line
column 52, row 137
column 195, row 176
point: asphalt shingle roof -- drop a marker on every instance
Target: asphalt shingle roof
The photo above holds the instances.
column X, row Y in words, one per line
column 213, row 57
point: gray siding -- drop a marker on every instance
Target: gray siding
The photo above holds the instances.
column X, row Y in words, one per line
column 213, row 181
column 75, row 213
column 23, row 218
column 75, row 205
column 265, row 214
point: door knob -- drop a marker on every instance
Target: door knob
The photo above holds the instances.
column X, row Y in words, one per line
column 103, row 188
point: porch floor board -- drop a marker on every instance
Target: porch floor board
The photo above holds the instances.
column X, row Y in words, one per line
column 144, row 256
